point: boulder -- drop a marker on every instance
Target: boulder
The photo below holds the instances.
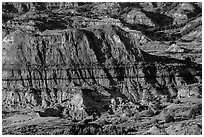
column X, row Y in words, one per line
column 155, row 130
column 175, row 48
column 169, row 116
column 194, row 111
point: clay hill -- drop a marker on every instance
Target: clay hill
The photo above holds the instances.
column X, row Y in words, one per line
column 84, row 68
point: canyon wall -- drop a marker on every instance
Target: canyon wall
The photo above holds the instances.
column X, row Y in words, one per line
column 105, row 55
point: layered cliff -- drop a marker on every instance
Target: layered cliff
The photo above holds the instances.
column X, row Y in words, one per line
column 63, row 53
column 106, row 55
column 101, row 68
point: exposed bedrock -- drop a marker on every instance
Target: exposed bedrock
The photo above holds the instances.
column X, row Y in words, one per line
column 105, row 55
column 27, row 6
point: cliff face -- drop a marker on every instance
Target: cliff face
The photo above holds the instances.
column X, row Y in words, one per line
column 106, row 55
column 69, row 48
column 54, row 56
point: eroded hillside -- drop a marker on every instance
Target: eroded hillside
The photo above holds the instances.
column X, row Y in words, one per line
column 84, row 62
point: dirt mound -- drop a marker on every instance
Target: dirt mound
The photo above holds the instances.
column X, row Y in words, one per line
column 72, row 102
column 21, row 97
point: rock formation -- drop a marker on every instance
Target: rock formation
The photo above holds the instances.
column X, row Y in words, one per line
column 52, row 56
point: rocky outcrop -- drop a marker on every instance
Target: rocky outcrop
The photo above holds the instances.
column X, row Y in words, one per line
column 23, row 7
column 106, row 55
column 85, row 62
column 76, row 68
column 137, row 17
column 142, row 16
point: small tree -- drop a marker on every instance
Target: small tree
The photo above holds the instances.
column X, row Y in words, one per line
column 147, row 95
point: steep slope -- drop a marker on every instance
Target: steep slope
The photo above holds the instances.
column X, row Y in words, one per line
column 83, row 62
column 149, row 18
column 157, row 20
column 106, row 55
